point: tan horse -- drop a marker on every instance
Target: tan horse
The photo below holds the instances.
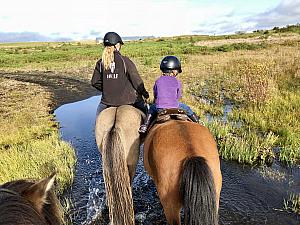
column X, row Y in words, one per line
column 182, row 158
column 31, row 203
column 118, row 140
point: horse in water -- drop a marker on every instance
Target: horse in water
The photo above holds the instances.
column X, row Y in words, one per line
column 118, row 141
column 183, row 161
column 31, row 203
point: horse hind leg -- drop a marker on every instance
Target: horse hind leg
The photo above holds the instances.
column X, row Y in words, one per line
column 171, row 205
column 131, row 170
column 172, row 214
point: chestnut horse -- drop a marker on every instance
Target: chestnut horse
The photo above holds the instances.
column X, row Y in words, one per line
column 31, row 203
column 183, row 161
column 118, row 141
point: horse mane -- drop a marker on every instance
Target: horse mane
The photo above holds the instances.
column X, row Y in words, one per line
column 17, row 208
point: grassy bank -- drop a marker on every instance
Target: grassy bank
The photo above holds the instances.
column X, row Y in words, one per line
column 30, row 146
column 261, row 89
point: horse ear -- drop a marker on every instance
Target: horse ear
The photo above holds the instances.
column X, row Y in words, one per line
column 38, row 192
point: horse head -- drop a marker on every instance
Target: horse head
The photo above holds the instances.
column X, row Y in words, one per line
column 29, row 202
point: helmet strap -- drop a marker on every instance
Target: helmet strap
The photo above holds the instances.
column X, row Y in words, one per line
column 167, row 74
column 116, row 48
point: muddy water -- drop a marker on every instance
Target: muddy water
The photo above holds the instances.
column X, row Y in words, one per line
column 252, row 196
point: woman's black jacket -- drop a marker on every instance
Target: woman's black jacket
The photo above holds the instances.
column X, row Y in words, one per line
column 121, row 84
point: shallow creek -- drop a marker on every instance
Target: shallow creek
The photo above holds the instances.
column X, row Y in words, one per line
column 252, row 196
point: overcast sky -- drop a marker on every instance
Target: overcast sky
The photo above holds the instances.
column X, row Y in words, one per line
column 37, row 20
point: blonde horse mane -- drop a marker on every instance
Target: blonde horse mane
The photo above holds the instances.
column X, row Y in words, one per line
column 118, row 141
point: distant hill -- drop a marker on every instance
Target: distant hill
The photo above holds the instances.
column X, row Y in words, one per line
column 12, row 37
column 134, row 38
column 288, row 28
column 129, row 38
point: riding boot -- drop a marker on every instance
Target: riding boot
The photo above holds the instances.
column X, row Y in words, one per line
column 194, row 118
column 145, row 125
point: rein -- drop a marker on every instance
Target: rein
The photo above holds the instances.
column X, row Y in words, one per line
column 7, row 191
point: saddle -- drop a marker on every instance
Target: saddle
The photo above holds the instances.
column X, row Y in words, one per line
column 169, row 114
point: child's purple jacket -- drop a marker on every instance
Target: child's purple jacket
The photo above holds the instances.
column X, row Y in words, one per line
column 167, row 92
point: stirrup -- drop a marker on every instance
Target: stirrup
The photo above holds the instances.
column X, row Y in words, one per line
column 143, row 129
column 182, row 117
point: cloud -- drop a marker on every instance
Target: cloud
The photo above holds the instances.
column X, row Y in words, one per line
column 27, row 36
column 287, row 12
column 128, row 18
column 223, row 24
column 55, row 34
column 152, row 18
column 95, row 33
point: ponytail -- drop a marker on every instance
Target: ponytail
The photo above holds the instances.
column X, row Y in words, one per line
column 108, row 56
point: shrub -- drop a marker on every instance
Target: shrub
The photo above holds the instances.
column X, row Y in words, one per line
column 255, row 79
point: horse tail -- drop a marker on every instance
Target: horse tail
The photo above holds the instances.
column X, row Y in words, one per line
column 117, row 180
column 197, row 191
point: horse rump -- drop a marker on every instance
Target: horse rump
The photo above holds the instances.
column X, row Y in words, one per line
column 198, row 194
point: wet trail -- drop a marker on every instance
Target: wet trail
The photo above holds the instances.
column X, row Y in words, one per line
column 249, row 196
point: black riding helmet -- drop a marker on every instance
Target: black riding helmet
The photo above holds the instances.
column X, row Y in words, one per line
column 111, row 39
column 170, row 63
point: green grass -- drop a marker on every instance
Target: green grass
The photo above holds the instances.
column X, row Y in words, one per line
column 44, row 56
column 265, row 95
column 292, row 203
column 37, row 159
column 263, row 89
column 53, row 56
column 68, row 206
column 241, row 146
column 30, row 146
column 41, row 55
column 280, row 116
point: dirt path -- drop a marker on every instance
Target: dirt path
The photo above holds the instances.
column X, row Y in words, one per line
column 65, row 89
